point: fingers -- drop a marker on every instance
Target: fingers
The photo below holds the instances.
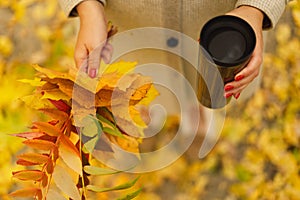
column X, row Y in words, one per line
column 80, row 57
column 88, row 61
column 244, row 78
column 107, row 52
column 94, row 58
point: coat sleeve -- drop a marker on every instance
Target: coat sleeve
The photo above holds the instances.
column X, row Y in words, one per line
column 68, row 6
column 272, row 9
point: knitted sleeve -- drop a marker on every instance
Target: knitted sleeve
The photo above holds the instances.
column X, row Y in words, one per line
column 68, row 6
column 272, row 9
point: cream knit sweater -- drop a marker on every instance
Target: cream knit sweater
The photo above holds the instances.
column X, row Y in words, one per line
column 186, row 16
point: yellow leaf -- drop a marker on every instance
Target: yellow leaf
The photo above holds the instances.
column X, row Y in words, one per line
column 150, row 96
column 53, row 74
column 53, row 194
column 34, row 82
column 65, row 183
column 35, row 101
column 121, row 67
column 137, row 117
column 296, row 16
column 6, row 46
column 55, row 94
column 127, row 143
column 283, row 33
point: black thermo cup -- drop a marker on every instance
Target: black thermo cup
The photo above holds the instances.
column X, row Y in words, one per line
column 226, row 45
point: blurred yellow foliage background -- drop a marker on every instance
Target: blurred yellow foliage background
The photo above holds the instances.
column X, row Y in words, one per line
column 256, row 157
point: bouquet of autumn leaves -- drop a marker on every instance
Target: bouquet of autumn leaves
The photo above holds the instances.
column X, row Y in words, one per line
column 81, row 111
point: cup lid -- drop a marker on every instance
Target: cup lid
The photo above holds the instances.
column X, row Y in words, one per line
column 228, row 40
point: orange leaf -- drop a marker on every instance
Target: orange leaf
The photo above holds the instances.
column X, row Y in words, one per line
column 47, row 128
column 44, row 181
column 25, row 163
column 34, row 158
column 65, row 141
column 29, row 135
column 70, row 155
column 40, row 144
column 27, row 192
column 35, row 175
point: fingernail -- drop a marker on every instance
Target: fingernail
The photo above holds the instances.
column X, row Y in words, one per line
column 240, row 77
column 228, row 95
column 228, row 87
column 92, row 73
column 237, row 95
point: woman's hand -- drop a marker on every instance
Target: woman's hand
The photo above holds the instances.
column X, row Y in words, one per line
column 92, row 45
column 255, row 18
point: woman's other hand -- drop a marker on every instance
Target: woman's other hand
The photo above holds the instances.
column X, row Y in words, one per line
column 255, row 18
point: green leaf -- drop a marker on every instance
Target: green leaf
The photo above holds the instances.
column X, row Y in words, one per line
column 89, row 146
column 91, row 127
column 92, row 170
column 114, row 132
column 98, row 189
column 106, row 121
column 131, row 195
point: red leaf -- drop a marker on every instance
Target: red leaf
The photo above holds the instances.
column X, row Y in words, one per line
column 47, row 128
column 25, row 163
column 40, row 144
column 44, row 181
column 61, row 105
column 50, row 167
column 56, row 114
column 53, row 122
column 29, row 135
column 34, row 158
column 27, row 192
column 55, row 154
column 25, row 175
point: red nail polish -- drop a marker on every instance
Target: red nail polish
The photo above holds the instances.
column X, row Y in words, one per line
column 92, row 73
column 228, row 87
column 237, row 95
column 228, row 95
column 240, row 77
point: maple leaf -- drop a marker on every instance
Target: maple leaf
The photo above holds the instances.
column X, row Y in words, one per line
column 87, row 116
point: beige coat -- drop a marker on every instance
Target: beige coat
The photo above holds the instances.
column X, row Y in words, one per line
column 186, row 16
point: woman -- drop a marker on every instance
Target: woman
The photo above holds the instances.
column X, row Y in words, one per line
column 185, row 16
